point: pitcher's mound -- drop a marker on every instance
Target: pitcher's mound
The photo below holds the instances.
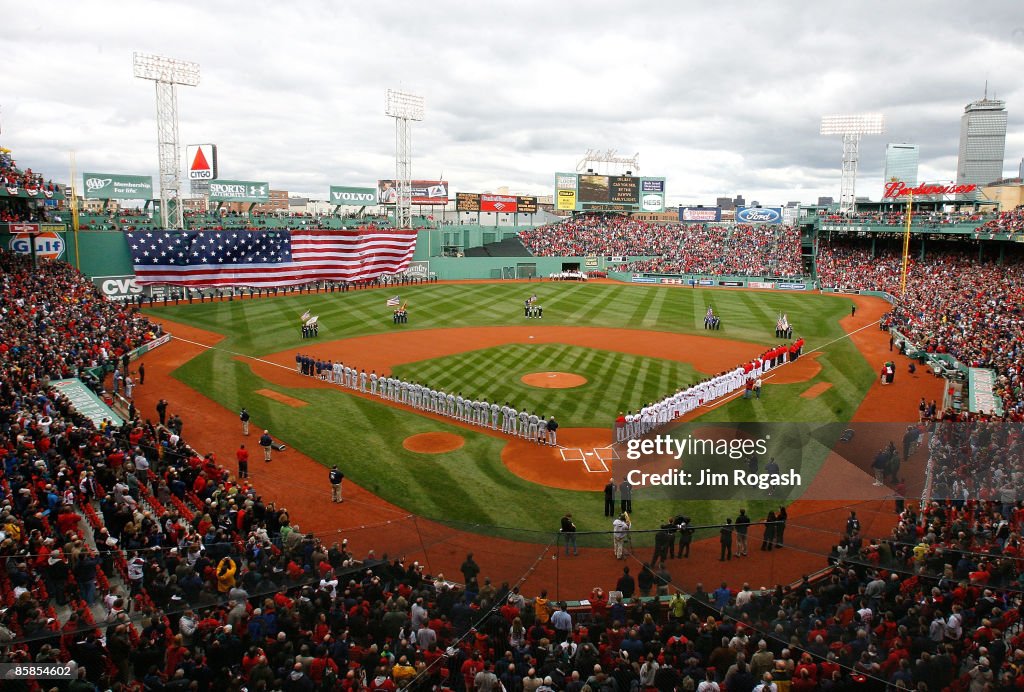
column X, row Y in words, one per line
column 433, row 443
column 554, row 380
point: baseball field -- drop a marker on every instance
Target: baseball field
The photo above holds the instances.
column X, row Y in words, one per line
column 626, row 346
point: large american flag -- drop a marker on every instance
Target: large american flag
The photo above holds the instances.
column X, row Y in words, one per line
column 268, row 258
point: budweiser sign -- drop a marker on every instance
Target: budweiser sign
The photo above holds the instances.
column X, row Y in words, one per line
column 898, row 189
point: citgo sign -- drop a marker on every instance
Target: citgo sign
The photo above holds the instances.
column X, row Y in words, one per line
column 48, row 245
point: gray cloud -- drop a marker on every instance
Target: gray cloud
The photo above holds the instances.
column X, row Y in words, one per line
column 719, row 99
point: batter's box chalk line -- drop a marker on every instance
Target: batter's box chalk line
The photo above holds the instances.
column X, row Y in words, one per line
column 607, row 453
column 572, row 454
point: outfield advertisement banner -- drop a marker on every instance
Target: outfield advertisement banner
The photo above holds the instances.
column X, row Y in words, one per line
column 644, row 280
column 733, row 284
column 86, row 402
column 791, row 287
column 981, row 396
column 114, row 186
column 353, row 196
column 239, row 191
column 424, row 192
column 707, row 214
column 502, row 204
column 467, row 201
column 758, row 214
column 761, row 284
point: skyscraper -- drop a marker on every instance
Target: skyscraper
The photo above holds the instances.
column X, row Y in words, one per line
column 982, row 142
column 901, row 163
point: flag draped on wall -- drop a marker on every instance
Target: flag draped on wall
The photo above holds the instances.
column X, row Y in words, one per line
column 268, row 258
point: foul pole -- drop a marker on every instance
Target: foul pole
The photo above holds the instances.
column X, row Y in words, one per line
column 906, row 245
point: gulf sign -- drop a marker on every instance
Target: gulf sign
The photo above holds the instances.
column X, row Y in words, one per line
column 759, row 215
column 503, row 204
column 48, row 245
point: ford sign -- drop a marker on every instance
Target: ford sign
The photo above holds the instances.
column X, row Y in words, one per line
column 759, row 215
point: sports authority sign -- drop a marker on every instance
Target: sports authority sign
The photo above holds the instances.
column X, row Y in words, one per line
column 112, row 186
column 353, row 196
column 239, row 191
column 202, row 161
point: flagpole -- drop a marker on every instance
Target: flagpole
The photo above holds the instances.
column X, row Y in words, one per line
column 74, row 210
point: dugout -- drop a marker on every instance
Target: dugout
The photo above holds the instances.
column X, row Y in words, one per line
column 570, row 266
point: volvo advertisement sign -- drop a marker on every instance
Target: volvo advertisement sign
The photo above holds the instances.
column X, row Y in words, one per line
column 759, row 215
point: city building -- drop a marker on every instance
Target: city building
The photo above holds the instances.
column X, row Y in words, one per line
column 724, row 202
column 901, row 162
column 278, row 202
column 826, row 201
column 982, row 143
column 1008, row 193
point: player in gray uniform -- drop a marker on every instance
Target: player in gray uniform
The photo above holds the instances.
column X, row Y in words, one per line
column 524, row 421
column 495, row 409
column 405, row 391
column 460, row 406
column 362, row 380
column 329, row 371
column 449, row 404
column 373, row 382
column 504, row 418
column 485, row 413
column 513, row 417
column 542, row 430
column 532, row 429
column 434, row 398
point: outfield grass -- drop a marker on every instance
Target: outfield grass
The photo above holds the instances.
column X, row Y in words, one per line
column 471, row 484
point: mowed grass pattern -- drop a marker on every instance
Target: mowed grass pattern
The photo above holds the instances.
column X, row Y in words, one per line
column 471, row 485
column 495, row 374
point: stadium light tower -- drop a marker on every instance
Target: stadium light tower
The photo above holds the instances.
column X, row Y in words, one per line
column 404, row 108
column 167, row 73
column 852, row 128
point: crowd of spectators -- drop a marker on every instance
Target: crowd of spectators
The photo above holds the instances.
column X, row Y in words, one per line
column 12, row 177
column 954, row 303
column 1009, row 222
column 898, row 217
column 154, row 567
column 741, row 250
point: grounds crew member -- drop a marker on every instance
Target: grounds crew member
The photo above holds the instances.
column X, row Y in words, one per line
column 244, row 417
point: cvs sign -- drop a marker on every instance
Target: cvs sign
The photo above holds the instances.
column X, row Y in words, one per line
column 48, row 245
column 117, row 287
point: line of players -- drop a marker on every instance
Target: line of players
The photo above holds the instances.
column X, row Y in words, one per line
column 523, row 424
column 653, row 415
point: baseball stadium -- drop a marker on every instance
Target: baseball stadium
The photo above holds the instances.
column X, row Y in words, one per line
column 480, row 441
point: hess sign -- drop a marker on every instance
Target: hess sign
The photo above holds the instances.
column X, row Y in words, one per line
column 202, row 161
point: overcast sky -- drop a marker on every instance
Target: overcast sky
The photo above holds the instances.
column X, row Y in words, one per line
column 720, row 98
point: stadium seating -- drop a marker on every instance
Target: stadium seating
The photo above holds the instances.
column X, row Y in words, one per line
column 740, row 250
column 195, row 581
column 954, row 304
